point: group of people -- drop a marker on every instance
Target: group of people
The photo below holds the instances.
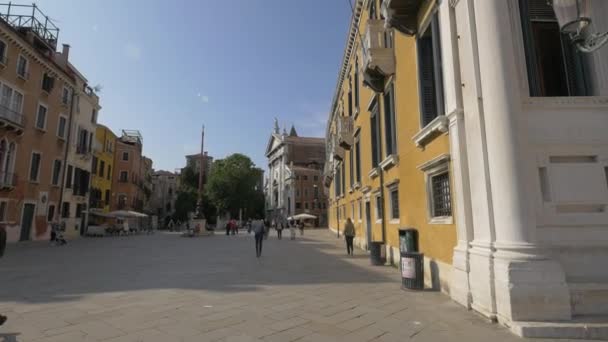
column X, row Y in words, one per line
column 291, row 225
column 261, row 230
column 231, row 227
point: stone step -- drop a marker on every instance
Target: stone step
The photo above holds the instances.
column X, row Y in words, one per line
column 589, row 298
column 582, row 327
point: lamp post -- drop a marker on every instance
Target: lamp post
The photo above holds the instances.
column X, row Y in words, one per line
column 574, row 18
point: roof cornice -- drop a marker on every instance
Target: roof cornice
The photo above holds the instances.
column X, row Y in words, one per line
column 351, row 38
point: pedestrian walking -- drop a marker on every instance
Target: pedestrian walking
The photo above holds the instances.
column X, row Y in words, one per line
column 2, row 248
column 349, row 236
column 227, row 226
column 266, row 229
column 258, row 230
column 171, row 225
column 279, row 229
column 292, row 231
column 301, row 226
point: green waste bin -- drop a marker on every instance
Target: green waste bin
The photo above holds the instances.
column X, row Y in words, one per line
column 376, row 254
column 412, row 262
column 408, row 240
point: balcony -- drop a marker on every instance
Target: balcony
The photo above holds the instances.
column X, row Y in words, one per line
column 402, row 14
column 335, row 151
column 378, row 60
column 11, row 120
column 7, row 180
column 328, row 173
column 345, row 132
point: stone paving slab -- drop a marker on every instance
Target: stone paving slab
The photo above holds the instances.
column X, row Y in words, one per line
column 167, row 288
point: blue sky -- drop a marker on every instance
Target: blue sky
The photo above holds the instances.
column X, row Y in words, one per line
column 168, row 67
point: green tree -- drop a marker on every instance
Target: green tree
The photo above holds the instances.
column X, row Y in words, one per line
column 233, row 184
column 185, row 203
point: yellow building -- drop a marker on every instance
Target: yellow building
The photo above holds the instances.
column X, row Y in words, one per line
column 389, row 153
column 103, row 167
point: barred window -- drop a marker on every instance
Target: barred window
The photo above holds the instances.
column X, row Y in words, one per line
column 395, row 204
column 442, row 202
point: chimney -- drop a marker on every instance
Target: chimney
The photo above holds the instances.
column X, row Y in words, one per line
column 65, row 53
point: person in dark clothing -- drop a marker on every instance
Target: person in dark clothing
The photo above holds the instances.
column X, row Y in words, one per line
column 349, row 235
column 2, row 248
column 279, row 229
column 258, row 229
column 227, row 228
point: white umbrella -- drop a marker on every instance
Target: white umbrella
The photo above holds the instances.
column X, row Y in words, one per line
column 302, row 217
column 126, row 214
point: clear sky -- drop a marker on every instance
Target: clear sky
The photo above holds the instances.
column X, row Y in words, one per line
column 168, row 67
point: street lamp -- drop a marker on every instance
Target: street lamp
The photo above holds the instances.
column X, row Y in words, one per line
column 573, row 17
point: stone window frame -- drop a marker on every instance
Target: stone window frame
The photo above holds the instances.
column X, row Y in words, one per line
column 435, row 167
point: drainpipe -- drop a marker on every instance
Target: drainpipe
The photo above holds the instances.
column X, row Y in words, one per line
column 65, row 156
column 381, row 173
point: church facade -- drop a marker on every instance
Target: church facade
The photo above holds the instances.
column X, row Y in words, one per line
column 294, row 183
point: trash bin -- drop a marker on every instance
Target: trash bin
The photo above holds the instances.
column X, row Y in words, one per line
column 412, row 270
column 376, row 254
column 408, row 240
column 412, row 262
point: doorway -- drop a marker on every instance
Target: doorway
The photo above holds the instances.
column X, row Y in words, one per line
column 27, row 219
column 368, row 223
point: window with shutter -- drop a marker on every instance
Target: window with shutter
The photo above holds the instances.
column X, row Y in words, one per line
column 356, row 84
column 351, row 167
column 555, row 67
column 358, row 161
column 389, row 122
column 375, row 126
column 429, row 73
column 68, row 177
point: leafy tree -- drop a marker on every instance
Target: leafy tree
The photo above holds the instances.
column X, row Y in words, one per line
column 233, row 185
column 184, row 203
column 189, row 177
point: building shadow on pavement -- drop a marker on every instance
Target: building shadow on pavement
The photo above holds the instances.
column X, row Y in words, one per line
column 39, row 273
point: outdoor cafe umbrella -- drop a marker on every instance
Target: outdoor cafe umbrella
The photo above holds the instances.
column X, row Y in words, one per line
column 302, row 217
column 126, row 214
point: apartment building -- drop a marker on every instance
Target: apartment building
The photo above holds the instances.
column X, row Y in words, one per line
column 102, row 169
column 500, row 159
column 195, row 160
column 389, row 162
column 127, row 180
column 295, row 176
column 35, row 109
column 165, row 185
column 80, row 160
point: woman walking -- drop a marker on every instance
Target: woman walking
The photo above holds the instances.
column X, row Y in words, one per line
column 349, row 235
column 258, row 229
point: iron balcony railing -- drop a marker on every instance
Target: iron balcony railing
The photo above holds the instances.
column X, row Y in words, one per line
column 30, row 17
column 11, row 116
column 7, row 180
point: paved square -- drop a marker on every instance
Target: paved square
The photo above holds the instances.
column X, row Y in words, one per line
column 167, row 288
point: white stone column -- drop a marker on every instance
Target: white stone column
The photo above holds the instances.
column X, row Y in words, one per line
column 460, row 290
column 481, row 269
column 459, row 279
column 528, row 285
